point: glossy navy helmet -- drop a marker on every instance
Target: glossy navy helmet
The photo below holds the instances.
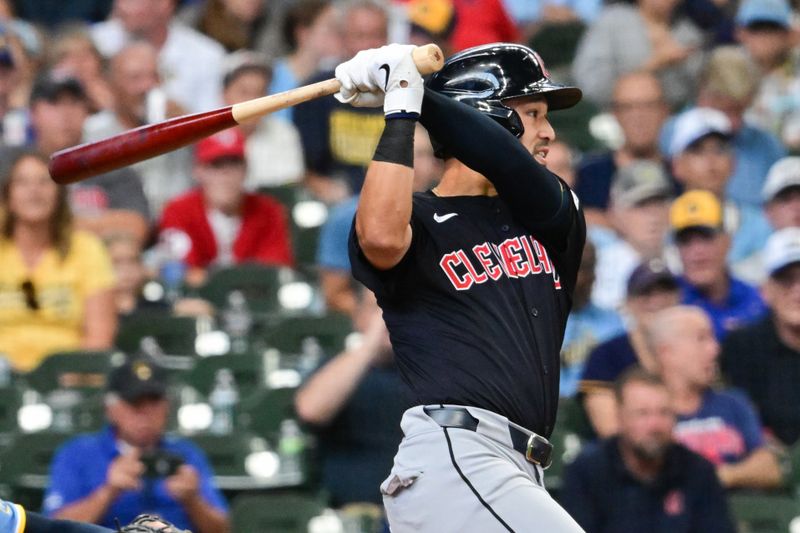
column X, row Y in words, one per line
column 485, row 76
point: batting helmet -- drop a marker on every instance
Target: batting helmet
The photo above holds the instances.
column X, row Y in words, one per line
column 484, row 76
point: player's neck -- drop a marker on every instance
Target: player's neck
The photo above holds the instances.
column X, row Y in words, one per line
column 460, row 180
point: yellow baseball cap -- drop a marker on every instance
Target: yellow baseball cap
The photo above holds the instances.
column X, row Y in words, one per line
column 696, row 209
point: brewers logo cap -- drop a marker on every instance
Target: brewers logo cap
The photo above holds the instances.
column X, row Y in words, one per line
column 696, row 209
column 136, row 378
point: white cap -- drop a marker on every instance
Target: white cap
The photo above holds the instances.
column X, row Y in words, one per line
column 696, row 123
column 782, row 249
column 782, row 174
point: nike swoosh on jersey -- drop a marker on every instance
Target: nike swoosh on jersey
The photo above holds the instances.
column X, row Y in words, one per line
column 441, row 218
column 385, row 67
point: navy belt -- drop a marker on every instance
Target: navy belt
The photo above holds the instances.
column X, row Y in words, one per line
column 535, row 448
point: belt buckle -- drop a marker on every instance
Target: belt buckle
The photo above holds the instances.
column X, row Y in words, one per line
column 536, row 445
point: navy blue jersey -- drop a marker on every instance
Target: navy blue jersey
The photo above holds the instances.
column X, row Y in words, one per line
column 477, row 307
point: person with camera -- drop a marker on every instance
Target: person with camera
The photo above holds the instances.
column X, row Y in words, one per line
column 131, row 467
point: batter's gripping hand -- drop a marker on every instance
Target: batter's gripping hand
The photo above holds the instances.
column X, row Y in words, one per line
column 150, row 524
column 385, row 75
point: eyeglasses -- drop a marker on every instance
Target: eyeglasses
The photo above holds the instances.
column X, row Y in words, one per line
column 29, row 291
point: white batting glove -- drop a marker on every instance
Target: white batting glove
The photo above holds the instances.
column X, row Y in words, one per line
column 389, row 69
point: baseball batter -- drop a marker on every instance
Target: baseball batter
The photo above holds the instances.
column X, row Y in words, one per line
column 475, row 279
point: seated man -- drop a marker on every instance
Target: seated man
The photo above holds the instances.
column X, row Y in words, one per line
column 764, row 358
column 651, row 288
column 720, row 425
column 225, row 224
column 116, row 473
column 641, row 480
column 698, row 228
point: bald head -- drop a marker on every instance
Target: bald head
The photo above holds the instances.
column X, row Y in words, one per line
column 133, row 73
column 682, row 338
column 641, row 84
column 639, row 107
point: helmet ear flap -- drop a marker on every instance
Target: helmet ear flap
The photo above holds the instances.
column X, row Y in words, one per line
column 515, row 124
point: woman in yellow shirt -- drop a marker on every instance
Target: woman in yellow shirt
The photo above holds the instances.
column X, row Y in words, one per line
column 55, row 282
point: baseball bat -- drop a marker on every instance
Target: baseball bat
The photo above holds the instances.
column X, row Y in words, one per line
column 90, row 159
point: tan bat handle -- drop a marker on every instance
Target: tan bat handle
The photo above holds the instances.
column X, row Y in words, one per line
column 427, row 58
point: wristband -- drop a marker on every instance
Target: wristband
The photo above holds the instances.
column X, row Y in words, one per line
column 397, row 142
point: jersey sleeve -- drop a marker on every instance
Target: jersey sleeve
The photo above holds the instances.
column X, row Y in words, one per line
column 599, row 372
column 12, row 517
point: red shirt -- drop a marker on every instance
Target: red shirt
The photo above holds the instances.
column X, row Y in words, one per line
column 263, row 235
column 481, row 22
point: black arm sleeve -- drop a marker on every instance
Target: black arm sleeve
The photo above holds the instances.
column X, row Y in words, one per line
column 535, row 195
column 36, row 523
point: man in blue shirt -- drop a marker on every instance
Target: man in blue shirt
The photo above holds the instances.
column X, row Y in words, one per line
column 641, row 480
column 697, row 224
column 117, row 473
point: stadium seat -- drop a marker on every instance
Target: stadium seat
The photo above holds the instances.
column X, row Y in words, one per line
column 330, row 331
column 758, row 512
column 275, row 513
column 84, row 371
column 262, row 412
column 259, row 284
column 569, row 435
column 175, row 335
column 10, row 399
column 248, row 371
column 557, row 43
column 572, row 126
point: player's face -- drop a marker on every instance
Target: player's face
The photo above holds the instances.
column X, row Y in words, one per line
column 141, row 423
column 693, row 354
column 646, row 419
column 538, row 132
column 784, row 210
column 782, row 293
column 32, row 195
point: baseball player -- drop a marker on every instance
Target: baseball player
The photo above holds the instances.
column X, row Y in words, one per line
column 14, row 519
column 475, row 279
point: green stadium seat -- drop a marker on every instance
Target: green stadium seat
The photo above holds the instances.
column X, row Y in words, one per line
column 175, row 335
column 568, row 437
column 262, row 412
column 274, row 513
column 10, row 400
column 758, row 512
column 248, row 371
column 557, row 42
column 330, row 331
column 288, row 194
column 259, row 284
column 84, row 371
column 572, row 126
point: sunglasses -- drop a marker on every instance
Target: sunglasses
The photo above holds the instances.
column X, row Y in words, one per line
column 29, row 291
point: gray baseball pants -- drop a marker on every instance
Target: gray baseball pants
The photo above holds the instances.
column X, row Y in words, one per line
column 450, row 480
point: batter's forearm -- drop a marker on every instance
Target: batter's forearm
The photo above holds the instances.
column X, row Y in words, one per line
column 384, row 208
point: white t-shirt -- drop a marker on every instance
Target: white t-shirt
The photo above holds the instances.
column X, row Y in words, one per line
column 225, row 229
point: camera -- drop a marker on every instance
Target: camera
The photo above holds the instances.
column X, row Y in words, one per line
column 160, row 463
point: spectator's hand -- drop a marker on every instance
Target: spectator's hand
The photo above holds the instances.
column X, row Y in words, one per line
column 376, row 336
column 666, row 50
column 125, row 472
column 184, row 485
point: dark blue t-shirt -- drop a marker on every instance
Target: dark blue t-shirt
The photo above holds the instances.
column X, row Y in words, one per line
column 604, row 497
column 742, row 306
column 594, row 177
column 606, row 362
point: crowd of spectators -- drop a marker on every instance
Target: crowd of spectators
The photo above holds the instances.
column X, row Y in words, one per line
column 691, row 190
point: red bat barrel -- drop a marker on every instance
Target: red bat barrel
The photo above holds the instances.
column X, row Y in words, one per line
column 80, row 162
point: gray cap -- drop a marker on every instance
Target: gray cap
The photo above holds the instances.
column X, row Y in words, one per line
column 640, row 181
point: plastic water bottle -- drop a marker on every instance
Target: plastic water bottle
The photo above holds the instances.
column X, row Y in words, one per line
column 63, row 403
column 291, row 444
column 310, row 356
column 237, row 321
column 173, row 246
column 223, row 399
column 5, row 372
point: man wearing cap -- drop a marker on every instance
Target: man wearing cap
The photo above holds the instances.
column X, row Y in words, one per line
column 764, row 358
column 272, row 143
column 110, row 203
column 781, row 195
column 697, row 227
column 764, row 28
column 639, row 216
column 651, row 288
column 703, row 158
column 728, row 84
column 225, row 224
column 102, row 476
column 139, row 99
